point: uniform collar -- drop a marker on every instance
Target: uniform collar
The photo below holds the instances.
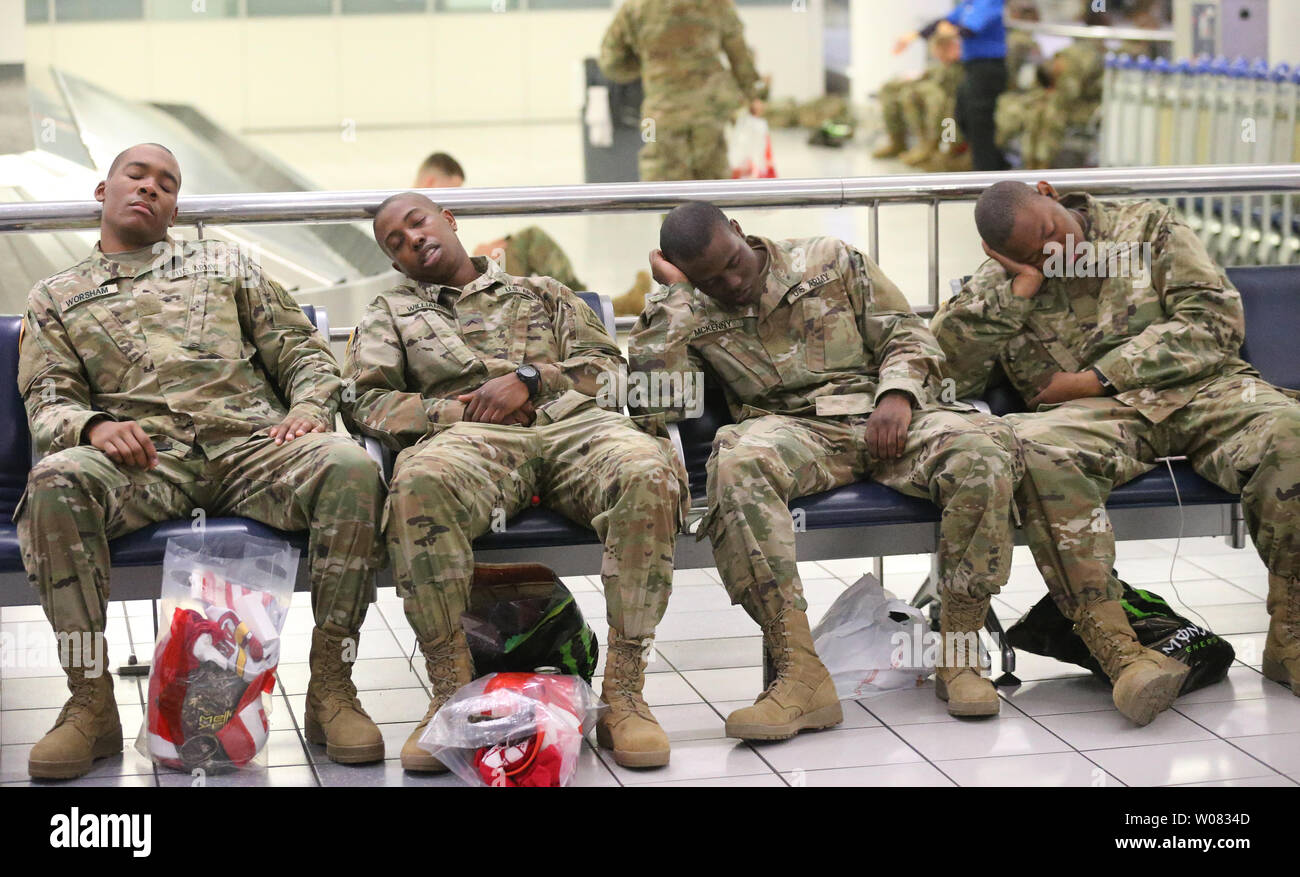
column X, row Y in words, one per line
column 1096, row 219
column 104, row 267
column 490, row 275
column 780, row 275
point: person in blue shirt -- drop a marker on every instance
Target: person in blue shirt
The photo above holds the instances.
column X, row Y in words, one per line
column 984, row 51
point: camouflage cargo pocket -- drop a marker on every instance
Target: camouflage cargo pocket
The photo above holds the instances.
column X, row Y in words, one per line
column 833, row 341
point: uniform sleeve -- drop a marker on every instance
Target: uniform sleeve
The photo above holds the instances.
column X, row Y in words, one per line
column 974, row 326
column 896, row 339
column 376, row 400
column 618, row 58
column 54, row 386
column 659, row 343
column 1205, row 322
column 293, row 353
column 738, row 52
column 586, row 350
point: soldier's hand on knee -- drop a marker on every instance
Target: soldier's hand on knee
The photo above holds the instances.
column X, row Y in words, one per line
column 124, row 442
column 887, row 426
column 292, row 427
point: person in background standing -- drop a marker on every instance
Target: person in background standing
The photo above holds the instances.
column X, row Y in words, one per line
column 984, row 51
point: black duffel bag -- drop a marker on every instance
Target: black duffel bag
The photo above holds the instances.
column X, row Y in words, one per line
column 521, row 617
column 1045, row 631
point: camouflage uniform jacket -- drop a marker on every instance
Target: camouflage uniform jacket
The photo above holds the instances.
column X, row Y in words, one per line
column 830, row 334
column 1158, row 334
column 420, row 345
column 673, row 46
column 190, row 340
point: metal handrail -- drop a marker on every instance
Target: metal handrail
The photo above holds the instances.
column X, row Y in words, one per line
column 930, row 189
column 356, row 206
column 1092, row 31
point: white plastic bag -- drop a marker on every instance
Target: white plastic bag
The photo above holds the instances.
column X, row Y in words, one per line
column 223, row 603
column 868, row 652
column 749, row 148
column 514, row 729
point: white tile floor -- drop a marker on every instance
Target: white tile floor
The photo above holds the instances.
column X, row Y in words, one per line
column 1058, row 727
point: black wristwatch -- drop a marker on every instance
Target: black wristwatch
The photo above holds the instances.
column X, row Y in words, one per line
column 531, row 378
column 1106, row 386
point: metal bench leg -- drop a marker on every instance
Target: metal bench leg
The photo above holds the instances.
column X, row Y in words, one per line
column 133, row 666
column 1237, row 532
column 1008, row 679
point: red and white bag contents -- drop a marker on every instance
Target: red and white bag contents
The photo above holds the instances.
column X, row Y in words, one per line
column 224, row 603
column 514, row 729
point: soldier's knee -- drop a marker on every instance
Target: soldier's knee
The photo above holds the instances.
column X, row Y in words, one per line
column 349, row 462
column 743, row 463
column 422, row 479
column 65, row 470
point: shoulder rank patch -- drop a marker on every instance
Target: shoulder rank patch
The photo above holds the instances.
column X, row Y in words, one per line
column 716, row 326
column 88, row 295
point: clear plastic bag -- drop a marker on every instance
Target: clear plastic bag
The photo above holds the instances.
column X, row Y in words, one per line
column 749, row 148
column 872, row 642
column 514, row 729
column 223, row 604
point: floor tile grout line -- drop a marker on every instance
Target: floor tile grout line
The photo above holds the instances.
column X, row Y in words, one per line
column 1075, row 749
column 908, row 744
column 750, row 746
column 302, row 741
column 1227, row 740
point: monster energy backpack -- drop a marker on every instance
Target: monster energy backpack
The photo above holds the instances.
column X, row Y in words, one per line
column 522, row 617
column 1045, row 631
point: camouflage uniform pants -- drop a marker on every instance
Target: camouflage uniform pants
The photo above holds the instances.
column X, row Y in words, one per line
column 685, row 152
column 1239, row 433
column 78, row 499
column 966, row 463
column 930, row 111
column 594, row 467
column 895, row 95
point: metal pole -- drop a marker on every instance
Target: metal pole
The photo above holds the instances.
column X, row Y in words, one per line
column 874, row 240
column 359, row 206
column 932, row 247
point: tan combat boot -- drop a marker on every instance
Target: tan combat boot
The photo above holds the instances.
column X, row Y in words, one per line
column 1146, row 682
column 948, row 162
column 918, row 154
column 1282, row 646
column 632, row 302
column 450, row 666
column 88, row 728
column 334, row 716
column 627, row 728
column 959, row 680
column 892, row 149
column 801, row 697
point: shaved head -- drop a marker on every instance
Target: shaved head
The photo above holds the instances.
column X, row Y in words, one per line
column 996, row 209
column 414, row 198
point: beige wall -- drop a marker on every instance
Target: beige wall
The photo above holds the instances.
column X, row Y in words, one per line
column 318, row 72
column 13, row 16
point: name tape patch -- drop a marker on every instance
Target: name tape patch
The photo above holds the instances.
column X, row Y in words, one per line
column 717, row 326
column 88, row 295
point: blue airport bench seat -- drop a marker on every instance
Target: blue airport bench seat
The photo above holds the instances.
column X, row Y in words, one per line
column 144, row 547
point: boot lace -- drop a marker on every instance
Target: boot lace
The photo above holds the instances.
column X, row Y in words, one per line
column 623, row 668
column 777, row 640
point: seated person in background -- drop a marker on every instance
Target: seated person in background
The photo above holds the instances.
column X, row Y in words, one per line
column 153, row 373
column 910, row 105
column 1122, row 335
column 1068, row 95
column 831, row 379
column 529, row 251
column 486, row 382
